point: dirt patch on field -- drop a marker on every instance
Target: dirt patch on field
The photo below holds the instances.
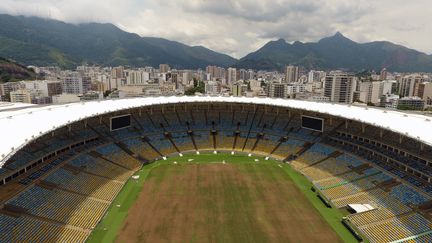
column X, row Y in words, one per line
column 223, row 203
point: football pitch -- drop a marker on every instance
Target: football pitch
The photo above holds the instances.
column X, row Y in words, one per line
column 219, row 198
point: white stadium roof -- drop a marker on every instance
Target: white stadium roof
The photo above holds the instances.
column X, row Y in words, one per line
column 20, row 126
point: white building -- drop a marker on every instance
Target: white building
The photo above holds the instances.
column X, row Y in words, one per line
column 76, row 83
column 340, row 87
column 388, row 87
column 65, row 98
column 315, row 76
column 231, row 76
column 408, row 84
column 46, row 88
column 136, row 77
column 370, row 92
column 291, row 74
column 20, row 96
column 212, row 87
column 277, row 90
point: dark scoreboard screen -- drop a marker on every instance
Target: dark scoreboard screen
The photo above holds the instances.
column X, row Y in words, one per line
column 313, row 123
column 120, row 122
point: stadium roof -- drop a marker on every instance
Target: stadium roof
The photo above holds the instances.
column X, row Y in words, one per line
column 20, row 126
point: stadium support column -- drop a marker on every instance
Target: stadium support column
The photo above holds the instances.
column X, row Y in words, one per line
column 346, row 124
column 168, row 135
column 400, row 139
column 363, row 127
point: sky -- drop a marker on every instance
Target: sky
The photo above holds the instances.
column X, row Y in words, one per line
column 238, row 27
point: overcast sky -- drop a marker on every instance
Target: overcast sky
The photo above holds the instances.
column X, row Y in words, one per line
column 237, row 27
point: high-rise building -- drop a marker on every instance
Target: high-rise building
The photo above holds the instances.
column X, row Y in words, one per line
column 46, row 88
column 212, row 87
column 425, row 91
column 6, row 88
column 164, row 68
column 135, row 77
column 231, row 76
column 315, row 76
column 277, row 90
column 239, row 89
column 117, row 72
column 388, row 87
column 408, row 85
column 76, row 83
column 370, row 92
column 187, row 77
column 291, row 74
column 383, row 74
column 250, row 74
column 242, row 74
column 340, row 87
column 216, row 73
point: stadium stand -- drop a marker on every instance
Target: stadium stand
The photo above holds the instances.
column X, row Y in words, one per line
column 66, row 180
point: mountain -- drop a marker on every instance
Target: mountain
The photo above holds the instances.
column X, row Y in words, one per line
column 11, row 71
column 338, row 52
column 37, row 41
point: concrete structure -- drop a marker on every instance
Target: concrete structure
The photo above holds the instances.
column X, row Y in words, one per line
column 315, row 76
column 20, row 96
column 388, row 87
column 424, row 90
column 411, row 103
column 216, row 73
column 47, row 88
column 65, row 98
column 6, row 88
column 117, row 72
column 136, row 77
column 370, row 92
column 340, row 87
column 383, row 74
column 75, row 83
column 231, row 76
column 239, row 89
column 164, row 68
column 389, row 101
column 277, row 90
column 408, row 85
column 212, row 87
column 14, row 124
column 291, row 74
column 92, row 95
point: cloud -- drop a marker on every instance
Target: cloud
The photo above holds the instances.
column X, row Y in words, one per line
column 237, row 27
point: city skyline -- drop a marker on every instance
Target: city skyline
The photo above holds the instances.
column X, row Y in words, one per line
column 217, row 24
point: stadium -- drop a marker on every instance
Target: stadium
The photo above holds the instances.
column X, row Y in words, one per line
column 221, row 169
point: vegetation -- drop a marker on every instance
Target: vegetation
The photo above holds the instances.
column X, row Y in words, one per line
column 37, row 41
column 108, row 228
column 108, row 92
column 338, row 52
column 199, row 87
column 11, row 71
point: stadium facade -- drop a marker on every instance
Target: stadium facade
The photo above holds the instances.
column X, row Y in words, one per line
column 82, row 154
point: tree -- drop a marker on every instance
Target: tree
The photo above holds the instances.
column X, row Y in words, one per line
column 199, row 87
column 107, row 93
